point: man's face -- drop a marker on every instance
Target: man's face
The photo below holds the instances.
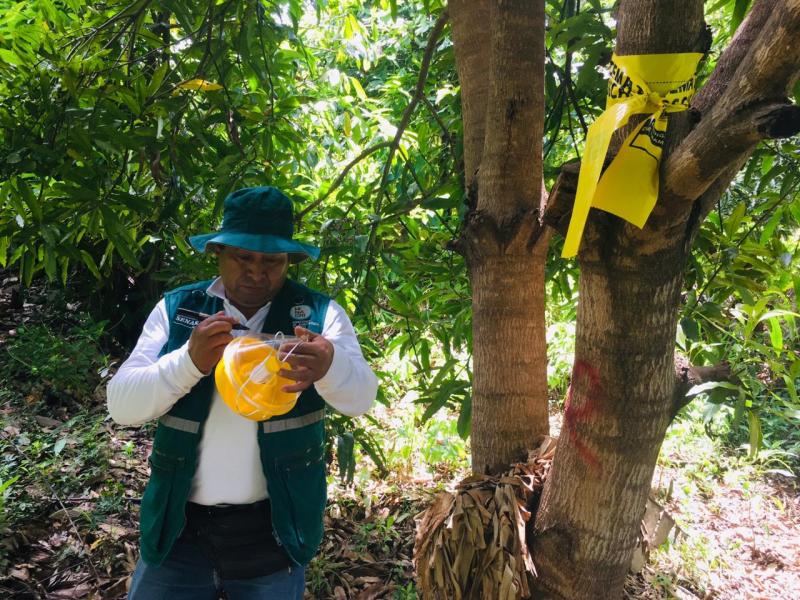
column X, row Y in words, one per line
column 251, row 279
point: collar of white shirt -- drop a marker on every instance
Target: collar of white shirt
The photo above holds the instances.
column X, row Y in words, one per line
column 217, row 289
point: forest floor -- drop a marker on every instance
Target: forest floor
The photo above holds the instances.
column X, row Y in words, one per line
column 738, row 533
column 71, row 480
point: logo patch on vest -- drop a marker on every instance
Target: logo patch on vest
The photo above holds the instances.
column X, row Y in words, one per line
column 300, row 312
column 187, row 318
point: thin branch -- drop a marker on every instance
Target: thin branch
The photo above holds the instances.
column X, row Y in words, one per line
column 446, row 135
column 126, row 13
column 260, row 13
column 433, row 41
column 338, row 181
column 578, row 112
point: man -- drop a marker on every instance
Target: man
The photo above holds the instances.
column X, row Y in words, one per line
column 233, row 504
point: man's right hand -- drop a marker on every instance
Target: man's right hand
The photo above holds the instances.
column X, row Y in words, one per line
column 208, row 340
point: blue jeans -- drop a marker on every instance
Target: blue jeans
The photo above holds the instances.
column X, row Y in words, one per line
column 187, row 574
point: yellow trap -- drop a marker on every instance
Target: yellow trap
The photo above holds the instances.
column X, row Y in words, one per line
column 248, row 376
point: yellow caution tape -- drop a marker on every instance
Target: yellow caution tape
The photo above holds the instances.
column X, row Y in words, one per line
column 654, row 84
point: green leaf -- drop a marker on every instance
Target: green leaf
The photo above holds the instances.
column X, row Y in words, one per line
column 345, row 456
column 30, row 199
column 5, row 241
column 348, row 27
column 756, row 437
column 464, row 424
column 732, row 224
column 442, row 203
column 777, row 313
column 775, row 333
column 718, row 5
column 158, row 78
column 50, row 266
column 739, row 10
column 711, row 385
column 362, row 95
column 58, row 447
column 393, row 6
column 769, row 228
column 437, row 403
column 26, row 268
column 12, row 58
column 4, row 485
column 375, row 453
column 119, row 237
column 90, row 264
column 766, row 163
column 690, row 329
column 791, row 389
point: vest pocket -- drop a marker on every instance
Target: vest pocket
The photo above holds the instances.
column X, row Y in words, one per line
column 303, row 478
column 161, row 520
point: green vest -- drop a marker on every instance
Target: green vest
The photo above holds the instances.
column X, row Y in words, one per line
column 292, row 445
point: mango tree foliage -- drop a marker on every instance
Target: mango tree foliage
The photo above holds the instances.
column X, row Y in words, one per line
column 124, row 124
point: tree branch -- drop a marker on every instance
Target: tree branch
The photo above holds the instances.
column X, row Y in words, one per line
column 446, row 135
column 687, row 376
column 558, row 209
column 733, row 55
column 752, row 107
column 433, row 41
column 338, row 181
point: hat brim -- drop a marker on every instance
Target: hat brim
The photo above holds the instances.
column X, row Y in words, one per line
column 268, row 244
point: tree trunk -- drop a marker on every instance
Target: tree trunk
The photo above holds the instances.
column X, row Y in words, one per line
column 622, row 395
column 617, row 411
column 500, row 57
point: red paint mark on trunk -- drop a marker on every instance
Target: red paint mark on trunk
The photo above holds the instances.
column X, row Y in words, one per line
column 583, row 374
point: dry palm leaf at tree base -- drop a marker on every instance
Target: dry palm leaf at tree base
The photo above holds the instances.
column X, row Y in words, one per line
column 471, row 544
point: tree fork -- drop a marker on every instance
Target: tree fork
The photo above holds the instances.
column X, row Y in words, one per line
column 586, row 524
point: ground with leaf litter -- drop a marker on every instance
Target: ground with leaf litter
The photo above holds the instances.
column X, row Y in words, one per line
column 71, row 481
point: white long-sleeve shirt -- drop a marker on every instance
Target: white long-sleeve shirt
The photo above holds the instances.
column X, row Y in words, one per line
column 229, row 464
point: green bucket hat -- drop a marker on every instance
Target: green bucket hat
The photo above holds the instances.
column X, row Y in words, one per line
column 259, row 219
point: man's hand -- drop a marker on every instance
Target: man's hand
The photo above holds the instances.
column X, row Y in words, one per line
column 310, row 361
column 209, row 339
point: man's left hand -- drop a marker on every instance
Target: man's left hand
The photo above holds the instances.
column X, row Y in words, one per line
column 310, row 360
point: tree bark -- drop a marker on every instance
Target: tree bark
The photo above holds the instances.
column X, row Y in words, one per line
column 499, row 50
column 471, row 38
column 618, row 408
